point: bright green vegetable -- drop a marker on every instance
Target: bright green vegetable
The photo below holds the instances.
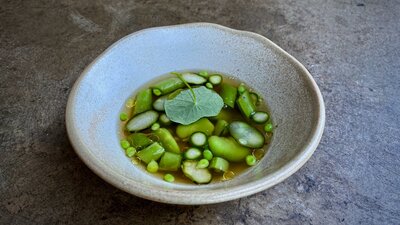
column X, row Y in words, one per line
column 245, row 104
column 219, row 164
column 227, row 148
column 221, row 128
column 170, row 161
column 167, row 86
column 192, row 153
column 228, row 94
column 151, row 152
column 213, row 129
column 193, row 78
column 159, row 103
column 251, row 160
column 139, row 140
column 207, row 154
column 260, row 117
column 143, row 101
column 142, row 121
column 202, row 125
column 200, row 176
column 157, row 92
column 215, row 79
column 131, row 151
column 164, row 120
column 203, row 163
column 268, row 127
column 246, row 135
column 241, row 88
column 203, row 73
column 125, row 144
column 198, row 139
column 123, row 116
column 152, row 167
column 188, row 107
column 169, row 177
column 167, row 140
column 155, row 126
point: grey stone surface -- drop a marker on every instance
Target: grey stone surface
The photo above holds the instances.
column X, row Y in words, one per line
column 351, row 47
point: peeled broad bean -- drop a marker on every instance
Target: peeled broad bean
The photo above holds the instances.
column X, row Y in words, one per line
column 246, row 135
column 201, row 125
column 228, row 148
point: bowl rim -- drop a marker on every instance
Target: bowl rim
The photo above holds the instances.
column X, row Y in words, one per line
column 188, row 197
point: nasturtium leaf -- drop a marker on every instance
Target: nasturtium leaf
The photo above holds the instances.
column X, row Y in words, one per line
column 185, row 109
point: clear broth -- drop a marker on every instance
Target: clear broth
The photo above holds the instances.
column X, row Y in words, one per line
column 234, row 168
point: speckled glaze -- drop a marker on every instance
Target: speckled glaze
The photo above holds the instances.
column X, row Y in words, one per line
column 294, row 99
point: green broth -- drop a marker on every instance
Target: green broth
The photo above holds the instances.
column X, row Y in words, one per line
column 235, row 168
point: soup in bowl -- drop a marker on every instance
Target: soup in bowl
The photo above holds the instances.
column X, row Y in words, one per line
column 97, row 115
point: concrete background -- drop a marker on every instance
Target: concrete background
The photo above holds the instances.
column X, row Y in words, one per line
column 351, row 47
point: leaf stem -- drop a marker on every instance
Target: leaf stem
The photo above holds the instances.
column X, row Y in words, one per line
column 190, row 88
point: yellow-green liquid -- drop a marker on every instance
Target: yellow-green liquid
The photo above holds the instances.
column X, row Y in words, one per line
column 234, row 115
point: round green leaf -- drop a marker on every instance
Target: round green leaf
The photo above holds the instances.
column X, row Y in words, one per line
column 186, row 109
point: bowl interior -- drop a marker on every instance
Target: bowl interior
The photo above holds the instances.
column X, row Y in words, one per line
column 100, row 93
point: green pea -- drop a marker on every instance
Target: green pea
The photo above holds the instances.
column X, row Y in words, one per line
column 203, row 163
column 207, row 154
column 169, row 177
column 268, row 127
column 125, row 144
column 157, row 92
column 241, row 88
column 251, row 160
column 123, row 116
column 155, row 126
column 131, row 151
column 152, row 167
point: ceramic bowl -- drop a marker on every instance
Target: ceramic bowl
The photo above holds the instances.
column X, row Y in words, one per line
column 98, row 96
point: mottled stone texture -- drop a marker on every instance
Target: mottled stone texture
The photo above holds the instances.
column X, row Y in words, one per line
column 351, row 47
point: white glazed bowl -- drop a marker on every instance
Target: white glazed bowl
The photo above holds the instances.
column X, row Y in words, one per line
column 99, row 94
